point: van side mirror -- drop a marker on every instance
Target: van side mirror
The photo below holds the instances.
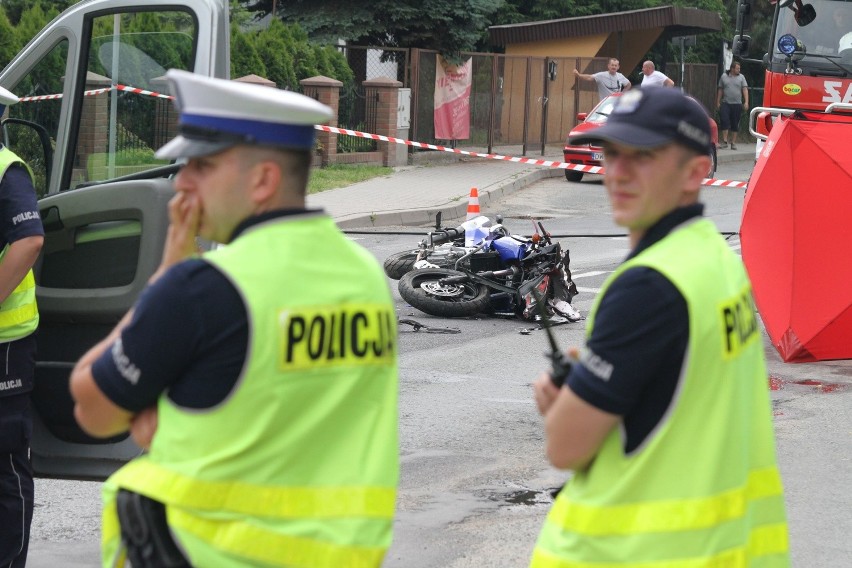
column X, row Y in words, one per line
column 805, row 15
column 33, row 144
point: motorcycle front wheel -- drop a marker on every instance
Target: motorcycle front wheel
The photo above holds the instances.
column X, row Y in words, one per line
column 422, row 289
column 401, row 263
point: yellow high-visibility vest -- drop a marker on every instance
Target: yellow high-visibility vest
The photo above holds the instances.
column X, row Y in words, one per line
column 18, row 312
column 704, row 489
column 299, row 466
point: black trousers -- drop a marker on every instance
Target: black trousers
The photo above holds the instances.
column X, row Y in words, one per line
column 17, row 366
column 16, row 480
column 729, row 116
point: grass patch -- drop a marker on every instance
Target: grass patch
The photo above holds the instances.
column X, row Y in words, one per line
column 341, row 175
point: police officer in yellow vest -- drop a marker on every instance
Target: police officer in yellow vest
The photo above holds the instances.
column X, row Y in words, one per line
column 262, row 376
column 21, row 239
column 665, row 419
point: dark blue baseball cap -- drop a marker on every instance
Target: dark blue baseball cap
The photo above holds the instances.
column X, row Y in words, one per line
column 649, row 118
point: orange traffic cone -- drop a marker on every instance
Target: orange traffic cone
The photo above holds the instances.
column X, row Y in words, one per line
column 473, row 204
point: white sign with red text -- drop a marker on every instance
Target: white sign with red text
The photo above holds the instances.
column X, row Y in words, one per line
column 452, row 99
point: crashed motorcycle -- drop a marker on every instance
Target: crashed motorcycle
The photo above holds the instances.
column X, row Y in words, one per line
column 502, row 275
column 441, row 247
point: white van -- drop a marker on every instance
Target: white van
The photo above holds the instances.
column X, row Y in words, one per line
column 93, row 110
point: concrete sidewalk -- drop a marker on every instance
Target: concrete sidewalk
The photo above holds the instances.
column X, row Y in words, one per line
column 412, row 195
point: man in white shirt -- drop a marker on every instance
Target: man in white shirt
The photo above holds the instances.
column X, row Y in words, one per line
column 609, row 81
column 653, row 78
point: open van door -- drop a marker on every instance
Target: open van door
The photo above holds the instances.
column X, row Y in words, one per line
column 94, row 108
column 101, row 245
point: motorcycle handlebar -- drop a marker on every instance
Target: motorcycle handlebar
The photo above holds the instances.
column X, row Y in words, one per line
column 445, row 235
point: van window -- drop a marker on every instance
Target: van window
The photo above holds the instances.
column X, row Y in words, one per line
column 127, row 111
column 35, row 120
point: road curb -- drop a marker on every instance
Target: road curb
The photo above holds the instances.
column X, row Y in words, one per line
column 456, row 210
column 724, row 156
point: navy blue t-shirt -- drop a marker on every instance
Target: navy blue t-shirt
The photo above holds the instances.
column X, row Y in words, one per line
column 635, row 354
column 19, row 219
column 188, row 337
column 19, row 216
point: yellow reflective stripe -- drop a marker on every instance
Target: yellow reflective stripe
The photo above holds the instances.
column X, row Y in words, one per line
column 728, row 559
column 112, row 551
column 26, row 284
column 763, row 541
column 768, row 540
column 665, row 516
column 143, row 476
column 15, row 316
column 18, row 314
column 109, row 524
column 254, row 543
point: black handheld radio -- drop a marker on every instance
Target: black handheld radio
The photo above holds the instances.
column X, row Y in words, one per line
column 560, row 362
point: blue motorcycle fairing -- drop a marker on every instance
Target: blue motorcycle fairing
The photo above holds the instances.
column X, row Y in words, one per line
column 509, row 248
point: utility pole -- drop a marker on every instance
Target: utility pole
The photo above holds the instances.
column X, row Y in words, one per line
column 685, row 41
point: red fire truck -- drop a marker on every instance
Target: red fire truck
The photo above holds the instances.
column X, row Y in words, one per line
column 809, row 62
column 794, row 230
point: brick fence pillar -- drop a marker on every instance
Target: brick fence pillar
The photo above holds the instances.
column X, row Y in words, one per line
column 166, row 116
column 326, row 91
column 385, row 93
column 92, row 139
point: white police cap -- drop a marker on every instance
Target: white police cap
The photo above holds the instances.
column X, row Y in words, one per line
column 7, row 98
column 216, row 114
column 844, row 49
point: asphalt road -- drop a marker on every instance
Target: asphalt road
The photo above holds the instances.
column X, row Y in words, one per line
column 475, row 486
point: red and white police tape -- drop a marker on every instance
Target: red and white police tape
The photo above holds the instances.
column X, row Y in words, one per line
column 334, row 130
column 713, row 182
column 93, row 92
column 59, row 96
column 143, row 92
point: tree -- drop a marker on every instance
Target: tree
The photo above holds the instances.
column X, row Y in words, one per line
column 8, row 42
column 519, row 11
column 283, row 54
column 245, row 60
column 448, row 26
column 32, row 20
column 47, row 78
column 15, row 8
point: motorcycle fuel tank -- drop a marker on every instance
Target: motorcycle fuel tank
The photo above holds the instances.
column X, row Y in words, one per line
column 509, row 248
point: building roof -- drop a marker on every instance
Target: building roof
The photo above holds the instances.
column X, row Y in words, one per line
column 678, row 21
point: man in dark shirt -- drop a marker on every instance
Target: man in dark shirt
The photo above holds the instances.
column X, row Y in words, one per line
column 671, row 386
column 257, row 376
column 21, row 239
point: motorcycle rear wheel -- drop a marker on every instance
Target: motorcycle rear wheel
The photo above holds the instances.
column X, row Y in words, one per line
column 421, row 289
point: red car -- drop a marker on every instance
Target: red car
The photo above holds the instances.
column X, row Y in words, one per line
column 589, row 155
